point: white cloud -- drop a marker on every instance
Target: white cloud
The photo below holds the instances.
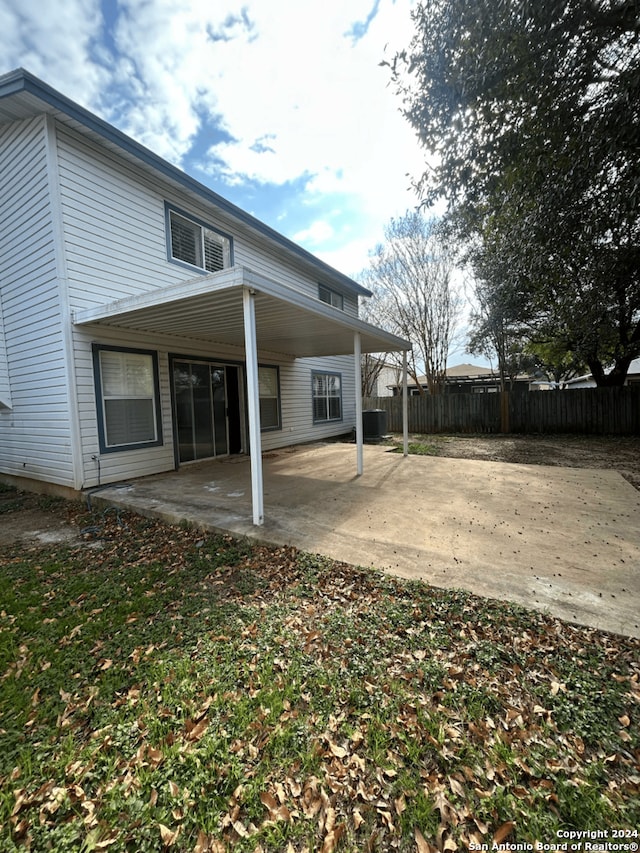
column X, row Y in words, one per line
column 324, row 100
column 297, row 87
column 350, row 257
column 317, row 232
column 56, row 41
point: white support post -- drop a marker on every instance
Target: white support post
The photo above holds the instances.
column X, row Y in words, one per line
column 357, row 355
column 253, row 399
column 405, row 406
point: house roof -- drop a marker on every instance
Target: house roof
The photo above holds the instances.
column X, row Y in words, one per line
column 22, row 95
column 633, row 371
column 210, row 308
column 469, row 371
column 464, row 371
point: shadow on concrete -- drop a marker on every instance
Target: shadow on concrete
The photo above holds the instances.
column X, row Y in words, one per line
column 562, row 540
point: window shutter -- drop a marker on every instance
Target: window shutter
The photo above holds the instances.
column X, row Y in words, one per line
column 185, row 240
column 213, row 253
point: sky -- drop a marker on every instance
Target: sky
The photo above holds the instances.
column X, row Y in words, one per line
column 280, row 106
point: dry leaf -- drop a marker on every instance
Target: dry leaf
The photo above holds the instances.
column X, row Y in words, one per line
column 202, row 843
column 456, row 787
column 195, row 732
column 338, row 751
column 504, row 831
column 168, row 838
column 106, row 842
column 277, row 811
column 332, row 838
column 240, row 829
column 154, row 756
column 422, row 845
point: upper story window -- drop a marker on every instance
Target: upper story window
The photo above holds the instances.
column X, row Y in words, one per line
column 331, row 297
column 194, row 243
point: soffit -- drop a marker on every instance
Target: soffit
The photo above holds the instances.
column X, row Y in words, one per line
column 210, row 309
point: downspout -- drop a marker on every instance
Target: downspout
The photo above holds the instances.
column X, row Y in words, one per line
column 253, row 399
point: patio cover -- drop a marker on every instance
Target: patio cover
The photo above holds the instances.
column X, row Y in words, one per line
column 244, row 309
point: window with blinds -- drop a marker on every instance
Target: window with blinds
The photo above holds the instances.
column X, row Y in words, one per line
column 127, row 397
column 269, row 393
column 193, row 243
column 331, row 297
column 327, row 397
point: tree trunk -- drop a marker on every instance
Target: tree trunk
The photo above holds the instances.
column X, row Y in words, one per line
column 616, row 378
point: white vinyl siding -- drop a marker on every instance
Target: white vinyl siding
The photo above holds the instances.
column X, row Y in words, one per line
column 298, row 425
column 115, row 229
column 35, row 437
column 116, row 246
column 5, row 385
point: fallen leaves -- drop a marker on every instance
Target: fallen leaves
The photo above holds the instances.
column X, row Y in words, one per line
column 358, row 711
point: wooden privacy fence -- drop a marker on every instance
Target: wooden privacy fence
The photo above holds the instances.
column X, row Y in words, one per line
column 597, row 411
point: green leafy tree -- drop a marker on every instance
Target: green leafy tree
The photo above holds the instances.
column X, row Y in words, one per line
column 530, row 114
column 495, row 333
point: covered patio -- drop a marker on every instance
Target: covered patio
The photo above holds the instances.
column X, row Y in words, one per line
column 245, row 310
column 554, row 539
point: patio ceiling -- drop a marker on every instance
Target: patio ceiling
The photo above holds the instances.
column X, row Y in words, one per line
column 210, row 308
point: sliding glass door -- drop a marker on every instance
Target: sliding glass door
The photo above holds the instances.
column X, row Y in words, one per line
column 200, row 390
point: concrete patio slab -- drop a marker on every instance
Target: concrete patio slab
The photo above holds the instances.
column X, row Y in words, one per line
column 562, row 540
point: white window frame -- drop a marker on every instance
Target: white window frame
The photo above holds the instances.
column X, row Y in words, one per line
column 330, row 297
column 133, row 395
column 202, row 233
column 326, row 396
column 263, row 388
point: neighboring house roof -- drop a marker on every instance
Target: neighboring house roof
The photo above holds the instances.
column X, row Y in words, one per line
column 464, row 371
column 22, row 95
column 469, row 370
column 587, row 380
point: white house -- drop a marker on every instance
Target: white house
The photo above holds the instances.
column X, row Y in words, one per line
column 146, row 322
column 587, row 380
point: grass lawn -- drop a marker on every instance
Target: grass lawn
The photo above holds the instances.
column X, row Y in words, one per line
column 165, row 690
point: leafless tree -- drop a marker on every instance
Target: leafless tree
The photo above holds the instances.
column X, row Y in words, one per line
column 373, row 364
column 412, row 276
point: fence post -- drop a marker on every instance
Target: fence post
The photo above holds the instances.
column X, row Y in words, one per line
column 504, row 411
